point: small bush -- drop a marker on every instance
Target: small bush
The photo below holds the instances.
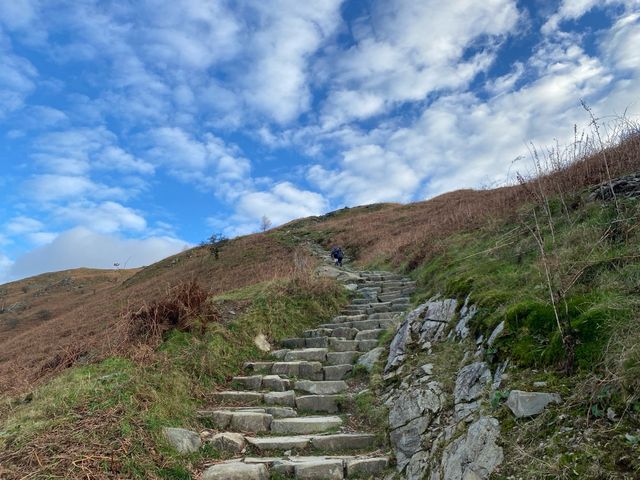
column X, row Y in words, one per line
column 184, row 309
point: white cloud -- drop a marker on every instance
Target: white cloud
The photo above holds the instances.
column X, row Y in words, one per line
column 105, row 217
column 81, row 247
column 209, row 162
column 46, row 188
column 575, row 9
column 408, row 49
column 21, row 225
column 17, row 78
column 280, row 203
column 289, row 33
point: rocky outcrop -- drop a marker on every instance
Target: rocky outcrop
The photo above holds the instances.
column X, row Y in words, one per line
column 474, row 455
column 439, row 435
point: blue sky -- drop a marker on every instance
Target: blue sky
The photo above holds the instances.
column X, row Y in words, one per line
column 132, row 129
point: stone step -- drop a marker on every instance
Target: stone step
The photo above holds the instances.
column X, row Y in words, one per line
column 305, row 425
column 342, row 358
column 236, row 471
column 319, row 403
column 275, row 412
column 242, row 421
column 372, row 334
column 298, row 369
column 348, row 318
column 238, row 397
column 337, row 372
column 325, row 443
column 262, row 382
column 301, row 467
column 382, row 316
column 326, row 387
column 306, row 354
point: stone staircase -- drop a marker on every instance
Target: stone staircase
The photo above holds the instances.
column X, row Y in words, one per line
column 286, row 418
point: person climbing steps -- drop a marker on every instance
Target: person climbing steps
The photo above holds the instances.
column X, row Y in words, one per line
column 337, row 255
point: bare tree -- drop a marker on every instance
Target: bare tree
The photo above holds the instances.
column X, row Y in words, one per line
column 265, row 223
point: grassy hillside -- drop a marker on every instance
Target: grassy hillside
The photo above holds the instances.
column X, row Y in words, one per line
column 58, row 319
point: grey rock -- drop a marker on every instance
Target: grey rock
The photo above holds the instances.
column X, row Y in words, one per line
column 527, row 404
column 496, row 333
column 417, row 466
column 400, row 342
column 407, row 440
column 184, row 441
column 475, row 455
column 499, row 375
column 369, row 359
column 464, row 411
column 441, row 310
column 467, row 312
column 228, row 442
column 471, row 381
column 424, row 401
column 236, row 471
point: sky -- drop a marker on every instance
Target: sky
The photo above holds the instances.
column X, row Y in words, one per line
column 131, row 130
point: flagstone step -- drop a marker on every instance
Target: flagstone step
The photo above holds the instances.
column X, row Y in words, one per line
column 300, row 467
column 319, row 403
column 324, row 443
column 305, row 425
column 327, row 387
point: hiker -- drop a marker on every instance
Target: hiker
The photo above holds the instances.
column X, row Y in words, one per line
column 336, row 253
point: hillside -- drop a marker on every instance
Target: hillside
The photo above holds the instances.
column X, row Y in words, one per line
column 551, row 264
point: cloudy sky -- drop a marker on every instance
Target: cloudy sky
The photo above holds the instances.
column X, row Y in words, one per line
column 130, row 129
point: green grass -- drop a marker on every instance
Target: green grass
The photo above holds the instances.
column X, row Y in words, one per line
column 116, row 409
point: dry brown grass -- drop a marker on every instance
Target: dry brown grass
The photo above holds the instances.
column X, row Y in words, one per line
column 408, row 234
column 86, row 305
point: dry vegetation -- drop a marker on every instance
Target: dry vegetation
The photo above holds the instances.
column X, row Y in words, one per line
column 407, row 235
column 84, row 307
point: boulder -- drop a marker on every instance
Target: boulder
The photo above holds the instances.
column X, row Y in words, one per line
column 184, row 441
column 527, row 404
